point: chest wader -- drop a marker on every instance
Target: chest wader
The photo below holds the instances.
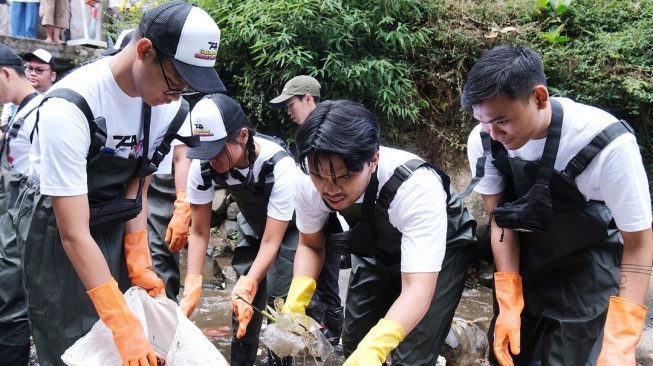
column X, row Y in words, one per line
column 375, row 281
column 252, row 199
column 60, row 311
column 161, row 196
column 14, row 328
column 570, row 270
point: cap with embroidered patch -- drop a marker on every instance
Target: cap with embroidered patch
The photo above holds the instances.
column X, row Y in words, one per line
column 190, row 38
column 213, row 119
column 123, row 40
column 8, row 57
column 299, row 85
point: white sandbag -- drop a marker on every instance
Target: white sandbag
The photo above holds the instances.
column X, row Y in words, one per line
column 170, row 333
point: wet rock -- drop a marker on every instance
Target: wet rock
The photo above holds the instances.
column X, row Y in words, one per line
column 220, row 201
column 465, row 343
column 644, row 349
column 232, row 211
column 219, row 276
column 486, row 273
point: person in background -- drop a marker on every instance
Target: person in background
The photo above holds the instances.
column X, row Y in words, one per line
column 40, row 72
column 570, row 281
column 14, row 167
column 411, row 237
column 24, row 18
column 77, row 267
column 259, row 174
column 54, row 17
column 301, row 95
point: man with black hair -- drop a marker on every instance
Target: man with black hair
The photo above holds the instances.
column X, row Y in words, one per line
column 574, row 260
column 409, row 232
column 15, row 88
column 83, row 233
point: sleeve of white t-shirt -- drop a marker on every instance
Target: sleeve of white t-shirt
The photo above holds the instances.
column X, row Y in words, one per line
column 493, row 180
column 6, row 111
column 64, row 139
column 312, row 213
column 623, row 183
column 419, row 212
column 281, row 205
column 194, row 195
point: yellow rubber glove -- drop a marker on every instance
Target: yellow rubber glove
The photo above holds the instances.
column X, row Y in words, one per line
column 139, row 263
column 508, row 289
column 192, row 293
column 128, row 335
column 377, row 344
column 246, row 288
column 299, row 295
column 177, row 233
column 623, row 330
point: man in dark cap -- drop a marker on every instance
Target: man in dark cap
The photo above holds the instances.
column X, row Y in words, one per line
column 81, row 222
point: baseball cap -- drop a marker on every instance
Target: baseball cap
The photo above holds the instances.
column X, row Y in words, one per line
column 299, row 85
column 214, row 118
column 8, row 57
column 41, row 55
column 123, row 40
column 190, row 38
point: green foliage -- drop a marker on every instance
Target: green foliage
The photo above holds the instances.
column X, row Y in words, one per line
column 407, row 60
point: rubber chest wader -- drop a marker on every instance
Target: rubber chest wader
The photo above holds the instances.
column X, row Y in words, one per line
column 252, row 199
column 14, row 329
column 60, row 311
column 375, row 281
column 570, row 270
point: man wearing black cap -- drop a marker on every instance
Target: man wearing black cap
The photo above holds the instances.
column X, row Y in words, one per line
column 77, row 258
column 14, row 164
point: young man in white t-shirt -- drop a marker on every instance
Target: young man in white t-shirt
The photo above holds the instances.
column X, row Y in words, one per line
column 17, row 90
column 399, row 241
column 74, row 262
column 556, row 283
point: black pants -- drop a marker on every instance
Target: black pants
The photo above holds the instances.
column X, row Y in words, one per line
column 373, row 288
column 14, row 355
column 160, row 204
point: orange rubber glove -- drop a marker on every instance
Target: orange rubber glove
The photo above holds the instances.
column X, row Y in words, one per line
column 299, row 295
column 177, row 233
column 192, row 293
column 139, row 263
column 508, row 289
column 246, row 288
column 377, row 344
column 128, row 335
column 623, row 330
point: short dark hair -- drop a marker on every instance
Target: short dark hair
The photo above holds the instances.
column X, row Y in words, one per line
column 20, row 70
column 315, row 99
column 338, row 127
column 510, row 71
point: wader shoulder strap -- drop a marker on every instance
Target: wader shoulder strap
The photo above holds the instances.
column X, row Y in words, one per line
column 166, row 145
column 580, row 162
column 97, row 132
column 548, row 156
column 401, row 174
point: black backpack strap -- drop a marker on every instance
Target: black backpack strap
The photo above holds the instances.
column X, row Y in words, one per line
column 401, row 174
column 166, row 145
column 580, row 162
column 98, row 135
column 480, row 164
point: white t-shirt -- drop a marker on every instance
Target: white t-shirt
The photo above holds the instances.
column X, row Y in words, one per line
column 58, row 157
column 165, row 167
column 8, row 110
column 418, row 211
column 280, row 205
column 616, row 175
column 19, row 147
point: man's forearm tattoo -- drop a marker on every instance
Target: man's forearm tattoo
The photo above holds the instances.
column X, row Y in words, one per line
column 632, row 268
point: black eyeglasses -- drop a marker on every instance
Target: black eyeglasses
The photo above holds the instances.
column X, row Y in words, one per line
column 171, row 91
column 37, row 70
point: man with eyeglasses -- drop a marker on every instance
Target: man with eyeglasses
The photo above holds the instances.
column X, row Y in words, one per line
column 40, row 72
column 75, row 270
column 14, row 166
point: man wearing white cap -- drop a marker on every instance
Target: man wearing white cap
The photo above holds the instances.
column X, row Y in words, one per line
column 40, row 72
column 84, row 210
